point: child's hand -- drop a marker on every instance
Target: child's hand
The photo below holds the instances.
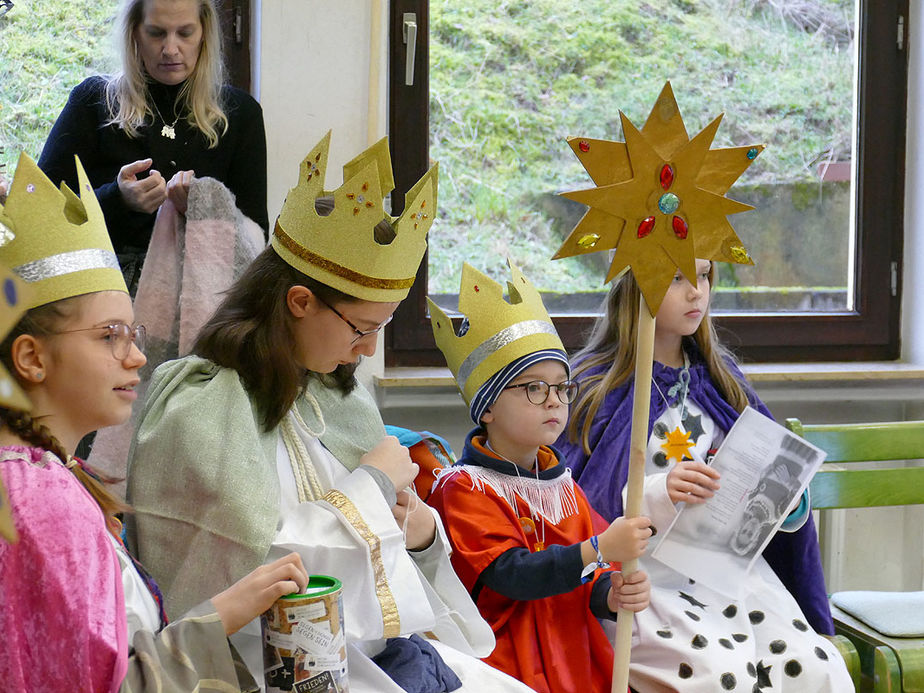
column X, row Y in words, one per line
column 392, row 457
column 421, row 527
column 692, row 482
column 625, row 539
column 631, row 592
column 253, row 594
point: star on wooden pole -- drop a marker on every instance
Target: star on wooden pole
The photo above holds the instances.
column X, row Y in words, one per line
column 658, row 202
column 659, row 199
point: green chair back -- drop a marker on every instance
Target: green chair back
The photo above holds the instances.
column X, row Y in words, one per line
column 836, row 485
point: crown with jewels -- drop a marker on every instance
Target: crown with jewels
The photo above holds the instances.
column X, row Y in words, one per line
column 499, row 330
column 340, row 249
column 55, row 241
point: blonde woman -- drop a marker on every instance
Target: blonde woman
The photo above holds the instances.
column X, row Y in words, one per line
column 166, row 117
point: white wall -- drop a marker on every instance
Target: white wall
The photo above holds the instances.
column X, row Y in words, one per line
column 314, row 75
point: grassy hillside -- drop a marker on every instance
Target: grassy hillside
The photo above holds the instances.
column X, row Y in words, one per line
column 511, row 80
column 46, row 48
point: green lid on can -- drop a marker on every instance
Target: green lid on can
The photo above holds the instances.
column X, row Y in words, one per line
column 318, row 585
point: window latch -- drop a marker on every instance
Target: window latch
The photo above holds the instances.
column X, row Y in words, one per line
column 409, row 31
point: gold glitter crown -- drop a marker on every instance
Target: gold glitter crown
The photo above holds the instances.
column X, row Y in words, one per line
column 340, row 249
column 55, row 241
column 499, row 330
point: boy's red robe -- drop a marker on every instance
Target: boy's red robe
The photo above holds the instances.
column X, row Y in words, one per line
column 553, row 644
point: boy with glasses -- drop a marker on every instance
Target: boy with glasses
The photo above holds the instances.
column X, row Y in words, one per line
column 526, row 543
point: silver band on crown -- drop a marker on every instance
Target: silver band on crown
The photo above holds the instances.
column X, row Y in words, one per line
column 498, row 341
column 66, row 263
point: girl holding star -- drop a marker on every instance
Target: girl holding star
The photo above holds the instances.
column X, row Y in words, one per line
column 692, row 638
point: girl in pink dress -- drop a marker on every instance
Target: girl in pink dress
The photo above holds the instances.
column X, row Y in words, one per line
column 76, row 612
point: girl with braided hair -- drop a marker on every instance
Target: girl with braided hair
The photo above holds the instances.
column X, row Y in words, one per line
column 77, row 612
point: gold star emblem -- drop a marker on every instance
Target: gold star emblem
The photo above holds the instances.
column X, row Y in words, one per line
column 659, row 199
column 677, row 445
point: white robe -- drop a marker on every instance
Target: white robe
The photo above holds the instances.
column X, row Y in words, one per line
column 695, row 640
column 387, row 590
column 141, row 611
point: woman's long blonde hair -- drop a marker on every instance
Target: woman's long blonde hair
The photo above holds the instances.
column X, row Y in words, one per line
column 127, row 95
column 613, row 342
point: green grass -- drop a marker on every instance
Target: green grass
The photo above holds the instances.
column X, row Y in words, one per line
column 511, row 80
column 46, row 48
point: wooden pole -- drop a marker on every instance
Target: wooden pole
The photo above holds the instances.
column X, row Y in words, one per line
column 644, row 356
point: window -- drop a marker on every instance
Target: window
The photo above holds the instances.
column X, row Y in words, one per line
column 847, row 188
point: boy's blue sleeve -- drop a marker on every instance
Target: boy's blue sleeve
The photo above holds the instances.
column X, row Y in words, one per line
column 522, row 575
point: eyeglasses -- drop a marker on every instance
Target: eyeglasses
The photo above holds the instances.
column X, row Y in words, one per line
column 120, row 337
column 359, row 333
column 537, row 391
column 5, row 6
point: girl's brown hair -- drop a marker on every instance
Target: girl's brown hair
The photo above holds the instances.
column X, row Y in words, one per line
column 612, row 343
column 44, row 321
column 252, row 332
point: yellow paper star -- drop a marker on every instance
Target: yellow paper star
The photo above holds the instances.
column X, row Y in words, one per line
column 677, row 444
column 660, row 199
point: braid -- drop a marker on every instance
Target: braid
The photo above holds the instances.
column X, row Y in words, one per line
column 22, row 424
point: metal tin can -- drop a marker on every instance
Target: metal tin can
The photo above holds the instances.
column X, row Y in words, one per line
column 304, row 644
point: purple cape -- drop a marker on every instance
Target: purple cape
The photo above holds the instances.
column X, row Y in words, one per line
column 794, row 557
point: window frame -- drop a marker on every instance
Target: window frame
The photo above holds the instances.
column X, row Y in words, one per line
column 234, row 17
column 871, row 331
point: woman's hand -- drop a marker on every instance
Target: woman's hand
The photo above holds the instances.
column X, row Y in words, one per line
column 392, row 458
column 141, row 194
column 624, row 540
column 692, row 482
column 178, row 189
column 421, row 527
column 253, row 594
column 631, row 592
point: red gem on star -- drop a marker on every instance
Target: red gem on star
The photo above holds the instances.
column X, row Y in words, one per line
column 646, row 226
column 667, row 176
column 584, row 146
column 680, row 227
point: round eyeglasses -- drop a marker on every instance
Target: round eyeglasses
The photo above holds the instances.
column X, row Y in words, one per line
column 537, row 391
column 358, row 332
column 120, row 337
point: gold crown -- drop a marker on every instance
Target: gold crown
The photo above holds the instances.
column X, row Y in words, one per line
column 54, row 240
column 340, row 249
column 499, row 330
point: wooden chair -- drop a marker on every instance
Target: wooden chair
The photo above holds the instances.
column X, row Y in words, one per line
column 888, row 664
